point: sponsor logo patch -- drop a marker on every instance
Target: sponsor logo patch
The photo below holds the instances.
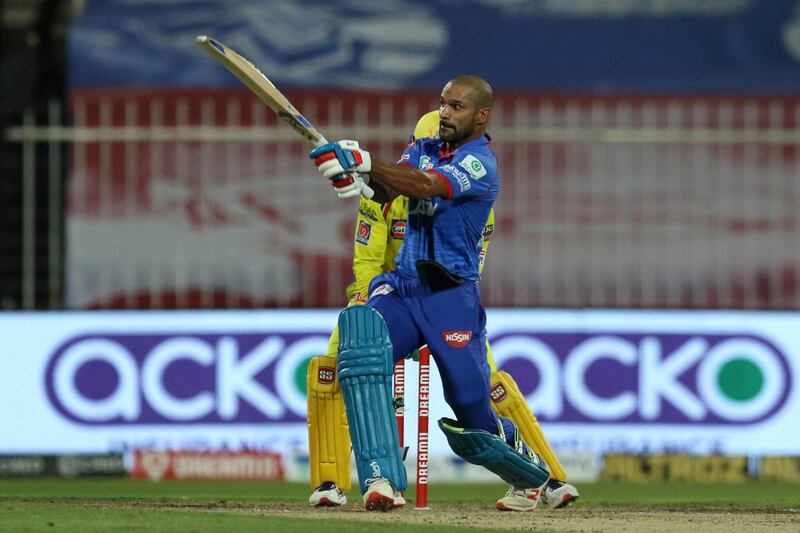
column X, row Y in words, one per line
column 425, row 207
column 364, row 231
column 359, row 297
column 498, row 393
column 376, row 469
column 457, row 339
column 326, row 375
column 488, row 231
column 382, row 289
column 398, row 229
column 367, row 214
column 461, row 178
column 474, row 167
column 298, row 122
column 404, row 157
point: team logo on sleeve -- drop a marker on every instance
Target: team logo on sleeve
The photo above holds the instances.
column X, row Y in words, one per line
column 473, row 167
column 425, row 163
column 364, row 231
column 382, row 290
column 457, row 339
column 326, row 375
column 398, row 228
column 488, row 231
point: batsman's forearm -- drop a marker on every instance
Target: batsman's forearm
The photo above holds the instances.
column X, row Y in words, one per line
column 382, row 193
column 406, row 180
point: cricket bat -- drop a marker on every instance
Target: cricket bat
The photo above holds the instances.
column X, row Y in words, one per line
column 264, row 89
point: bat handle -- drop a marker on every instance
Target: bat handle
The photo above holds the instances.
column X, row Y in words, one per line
column 366, row 190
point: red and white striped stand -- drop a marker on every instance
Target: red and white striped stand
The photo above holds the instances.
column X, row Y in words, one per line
column 423, row 408
column 399, row 397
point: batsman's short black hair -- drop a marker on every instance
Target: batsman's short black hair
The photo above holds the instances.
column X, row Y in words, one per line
column 481, row 90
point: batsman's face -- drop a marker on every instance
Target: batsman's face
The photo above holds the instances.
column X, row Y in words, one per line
column 459, row 114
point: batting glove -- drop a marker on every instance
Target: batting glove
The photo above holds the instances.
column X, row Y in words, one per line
column 350, row 185
column 341, row 157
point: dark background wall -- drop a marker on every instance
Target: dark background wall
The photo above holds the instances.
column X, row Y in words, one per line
column 32, row 74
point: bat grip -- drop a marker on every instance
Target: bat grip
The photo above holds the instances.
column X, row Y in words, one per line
column 367, row 191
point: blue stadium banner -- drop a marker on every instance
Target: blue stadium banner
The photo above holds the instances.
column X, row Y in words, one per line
column 730, row 46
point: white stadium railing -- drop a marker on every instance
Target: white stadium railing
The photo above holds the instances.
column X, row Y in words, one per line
column 606, row 202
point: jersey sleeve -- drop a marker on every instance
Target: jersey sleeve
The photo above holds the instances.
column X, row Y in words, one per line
column 371, row 234
column 468, row 175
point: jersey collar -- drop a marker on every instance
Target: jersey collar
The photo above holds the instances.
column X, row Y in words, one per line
column 483, row 140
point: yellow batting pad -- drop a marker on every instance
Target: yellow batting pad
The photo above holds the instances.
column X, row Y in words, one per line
column 328, row 433
column 508, row 401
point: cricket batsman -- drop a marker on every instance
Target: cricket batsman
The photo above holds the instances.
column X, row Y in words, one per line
column 431, row 297
column 379, row 233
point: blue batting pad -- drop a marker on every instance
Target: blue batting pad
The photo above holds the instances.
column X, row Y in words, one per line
column 490, row 451
column 365, row 373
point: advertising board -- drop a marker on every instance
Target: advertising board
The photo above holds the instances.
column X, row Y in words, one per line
column 599, row 381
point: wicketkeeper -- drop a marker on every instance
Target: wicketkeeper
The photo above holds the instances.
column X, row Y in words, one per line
column 431, row 297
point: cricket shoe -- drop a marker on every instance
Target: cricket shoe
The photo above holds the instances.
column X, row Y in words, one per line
column 558, row 494
column 523, row 500
column 381, row 496
column 327, row 495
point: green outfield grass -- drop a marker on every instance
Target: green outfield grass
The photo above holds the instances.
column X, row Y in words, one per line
column 84, row 505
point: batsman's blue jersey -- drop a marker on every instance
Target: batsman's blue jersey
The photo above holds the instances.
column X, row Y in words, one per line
column 450, row 230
